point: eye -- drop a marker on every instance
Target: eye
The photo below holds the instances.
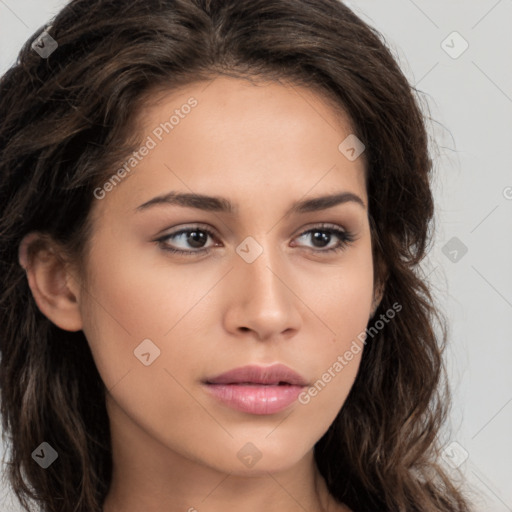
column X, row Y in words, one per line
column 323, row 236
column 195, row 237
column 194, row 240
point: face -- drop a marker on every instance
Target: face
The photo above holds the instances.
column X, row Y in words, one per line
column 260, row 280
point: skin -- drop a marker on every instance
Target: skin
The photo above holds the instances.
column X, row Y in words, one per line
column 262, row 146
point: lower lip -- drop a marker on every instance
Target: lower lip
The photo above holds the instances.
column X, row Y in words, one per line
column 255, row 399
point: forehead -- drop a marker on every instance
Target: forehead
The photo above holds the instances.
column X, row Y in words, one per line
column 226, row 104
column 231, row 137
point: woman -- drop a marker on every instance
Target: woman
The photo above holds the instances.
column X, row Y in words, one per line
column 213, row 214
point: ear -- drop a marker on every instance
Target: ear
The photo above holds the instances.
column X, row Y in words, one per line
column 54, row 288
column 381, row 278
column 377, row 297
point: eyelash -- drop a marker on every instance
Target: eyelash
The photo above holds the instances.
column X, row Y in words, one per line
column 346, row 238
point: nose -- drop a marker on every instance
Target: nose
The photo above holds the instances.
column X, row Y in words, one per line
column 263, row 300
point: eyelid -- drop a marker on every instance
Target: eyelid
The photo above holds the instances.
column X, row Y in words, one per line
column 319, row 226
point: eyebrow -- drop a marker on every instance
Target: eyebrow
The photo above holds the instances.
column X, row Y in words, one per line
column 221, row 204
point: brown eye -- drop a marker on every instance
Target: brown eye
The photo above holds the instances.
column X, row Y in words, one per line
column 323, row 236
column 190, row 240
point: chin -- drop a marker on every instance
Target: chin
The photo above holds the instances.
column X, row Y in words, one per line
column 262, row 455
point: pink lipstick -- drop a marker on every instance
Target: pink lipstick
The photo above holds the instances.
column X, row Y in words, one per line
column 257, row 389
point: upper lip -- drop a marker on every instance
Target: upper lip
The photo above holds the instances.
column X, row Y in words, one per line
column 253, row 374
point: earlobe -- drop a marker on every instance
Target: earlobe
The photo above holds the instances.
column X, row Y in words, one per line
column 49, row 280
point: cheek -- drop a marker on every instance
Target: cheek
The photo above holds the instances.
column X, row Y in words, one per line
column 336, row 359
column 130, row 299
column 346, row 301
column 344, row 309
column 121, row 308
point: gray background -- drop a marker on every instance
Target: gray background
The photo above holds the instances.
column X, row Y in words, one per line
column 469, row 96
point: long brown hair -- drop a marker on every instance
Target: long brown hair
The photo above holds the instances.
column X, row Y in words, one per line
column 67, row 120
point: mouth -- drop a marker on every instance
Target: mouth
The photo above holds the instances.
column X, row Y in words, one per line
column 257, row 390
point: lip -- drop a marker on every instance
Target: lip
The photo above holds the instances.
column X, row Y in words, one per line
column 254, row 374
column 257, row 389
